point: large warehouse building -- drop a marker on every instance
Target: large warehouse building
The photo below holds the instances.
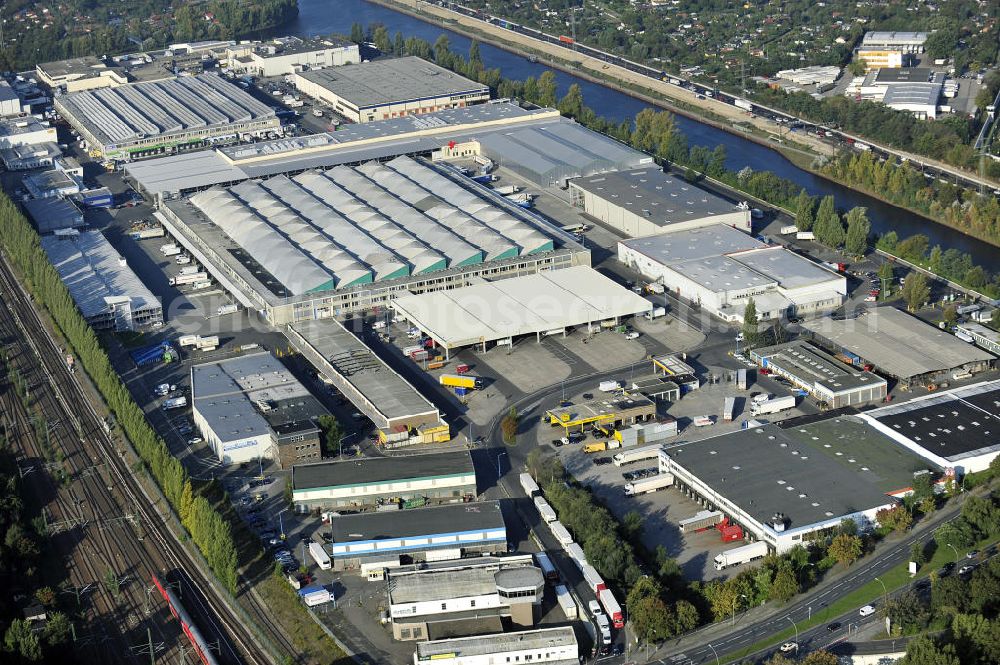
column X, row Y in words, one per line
column 787, row 485
column 390, row 88
column 546, row 303
column 537, row 144
column 288, row 55
column 388, row 539
column 106, row 291
column 721, row 268
column 84, row 73
column 382, row 481
column 328, row 243
column 172, row 115
column 829, row 380
column 956, row 430
column 902, row 346
column 646, row 201
column 553, row 646
column 251, row 407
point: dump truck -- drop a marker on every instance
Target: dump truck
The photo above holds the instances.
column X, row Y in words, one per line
column 529, row 484
column 773, row 405
column 320, row 556
column 460, row 381
column 636, row 455
column 190, row 278
column 545, row 510
column 703, row 519
column 740, row 555
column 728, row 409
column 567, row 603
column 650, row 484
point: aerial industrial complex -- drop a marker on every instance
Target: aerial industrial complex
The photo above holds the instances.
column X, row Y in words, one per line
column 410, row 298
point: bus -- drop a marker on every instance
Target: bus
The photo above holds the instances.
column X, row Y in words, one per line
column 575, row 229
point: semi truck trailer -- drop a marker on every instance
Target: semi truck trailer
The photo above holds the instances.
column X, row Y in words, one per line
column 703, row 519
column 593, row 579
column 636, row 455
column 567, row 603
column 190, row 278
column 612, row 608
column 740, row 555
column 773, row 405
column 728, row 409
column 320, row 556
column 647, row 485
column 561, row 533
column 529, row 484
column 545, row 510
column 459, row 381
column 548, row 570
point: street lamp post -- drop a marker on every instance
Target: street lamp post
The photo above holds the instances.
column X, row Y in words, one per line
column 281, row 524
column 501, row 453
column 885, row 594
column 796, row 633
column 736, row 600
column 715, row 652
column 953, row 550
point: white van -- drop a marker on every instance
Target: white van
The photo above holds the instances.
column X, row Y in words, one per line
column 867, row 610
column 594, row 607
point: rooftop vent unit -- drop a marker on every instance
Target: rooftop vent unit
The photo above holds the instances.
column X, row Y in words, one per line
column 779, row 521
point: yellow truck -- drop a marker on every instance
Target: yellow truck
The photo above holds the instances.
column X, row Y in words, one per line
column 596, row 447
column 461, row 381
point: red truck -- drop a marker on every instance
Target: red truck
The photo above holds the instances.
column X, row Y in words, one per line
column 566, row 40
column 612, row 607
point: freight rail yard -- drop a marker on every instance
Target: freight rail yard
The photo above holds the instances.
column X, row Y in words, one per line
column 372, row 337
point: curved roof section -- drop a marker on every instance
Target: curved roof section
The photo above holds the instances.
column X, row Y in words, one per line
column 494, row 245
column 528, row 238
column 279, row 256
column 456, row 249
column 372, row 224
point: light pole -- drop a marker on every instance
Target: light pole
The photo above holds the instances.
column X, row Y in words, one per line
column 281, row 524
column 735, row 601
column 715, row 652
column 796, row 633
column 885, row 594
column 501, row 453
column 953, row 550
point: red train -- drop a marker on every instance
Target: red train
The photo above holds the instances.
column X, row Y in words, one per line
column 187, row 625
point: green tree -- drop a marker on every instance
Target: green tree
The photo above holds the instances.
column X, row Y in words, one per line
column 785, row 584
column 982, row 514
column 858, row 229
column 475, row 56
column 58, row 629
column 897, row 518
column 380, row 37
column 686, row 616
column 828, row 229
column 442, row 51
column 571, row 104
column 857, row 67
column 21, row 639
column 845, row 549
column 751, row 324
column 509, row 425
column 950, row 315
column 46, row 596
column 916, row 291
column 632, row 525
column 820, row 657
column 357, row 33
column 924, row 651
column 918, row 554
column 804, row 207
column 888, row 242
column 547, row 89
column 648, row 614
column 331, row 433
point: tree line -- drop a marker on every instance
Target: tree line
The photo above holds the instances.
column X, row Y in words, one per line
column 950, row 264
column 208, row 529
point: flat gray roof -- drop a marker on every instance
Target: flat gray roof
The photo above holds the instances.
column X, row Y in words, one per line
column 812, row 365
column 788, row 269
column 913, row 93
column 235, row 395
column 391, row 81
column 661, row 198
column 437, row 520
column 482, row 645
column 392, row 395
column 95, row 273
column 692, row 244
column 892, row 37
column 374, row 470
column 293, row 44
column 811, row 472
column 53, row 213
column 143, row 110
column 460, row 583
column 900, row 344
column 85, row 66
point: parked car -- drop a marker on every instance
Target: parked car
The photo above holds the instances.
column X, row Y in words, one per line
column 788, row 646
column 194, row 439
column 602, row 461
column 966, row 570
column 972, row 554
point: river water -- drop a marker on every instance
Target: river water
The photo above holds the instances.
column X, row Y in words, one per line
column 318, row 17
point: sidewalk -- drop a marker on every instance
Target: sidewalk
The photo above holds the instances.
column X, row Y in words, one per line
column 755, row 615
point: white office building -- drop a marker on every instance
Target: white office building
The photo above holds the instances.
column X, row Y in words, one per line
column 288, row 55
column 556, row 646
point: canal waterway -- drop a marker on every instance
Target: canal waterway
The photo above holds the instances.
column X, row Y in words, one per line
column 318, row 17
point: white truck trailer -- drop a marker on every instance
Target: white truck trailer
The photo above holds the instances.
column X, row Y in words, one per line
column 633, row 455
column 740, row 555
column 773, row 405
column 575, row 552
column 728, row 409
column 647, row 485
column 561, row 533
column 318, row 555
column 545, row 510
column 593, row 579
column 703, row 519
column 191, row 278
column 567, row 603
column 529, row 484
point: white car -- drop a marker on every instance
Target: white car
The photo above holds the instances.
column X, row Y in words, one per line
column 788, row 646
column 193, row 440
column 632, row 335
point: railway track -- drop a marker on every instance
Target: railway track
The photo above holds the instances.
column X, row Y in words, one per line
column 80, row 435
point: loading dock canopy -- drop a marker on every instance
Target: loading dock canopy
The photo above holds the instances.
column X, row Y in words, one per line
column 534, row 304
